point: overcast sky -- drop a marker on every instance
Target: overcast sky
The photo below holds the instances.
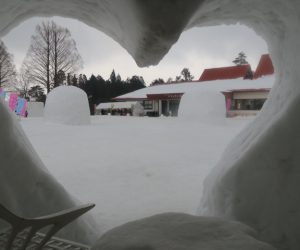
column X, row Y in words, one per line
column 197, row 49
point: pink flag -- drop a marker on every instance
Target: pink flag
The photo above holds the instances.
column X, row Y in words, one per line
column 13, row 99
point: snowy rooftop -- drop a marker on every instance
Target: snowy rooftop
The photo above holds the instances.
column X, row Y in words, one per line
column 219, row 85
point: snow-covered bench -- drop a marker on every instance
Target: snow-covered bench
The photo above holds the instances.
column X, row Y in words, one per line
column 25, row 233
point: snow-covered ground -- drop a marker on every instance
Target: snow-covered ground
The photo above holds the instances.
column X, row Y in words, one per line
column 132, row 167
column 257, row 181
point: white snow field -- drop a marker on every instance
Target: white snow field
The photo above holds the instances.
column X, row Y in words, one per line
column 67, row 105
column 132, row 167
column 257, row 179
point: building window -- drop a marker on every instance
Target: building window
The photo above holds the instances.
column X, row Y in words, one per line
column 247, row 104
column 148, row 104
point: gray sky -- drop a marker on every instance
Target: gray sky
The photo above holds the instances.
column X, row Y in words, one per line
column 197, row 49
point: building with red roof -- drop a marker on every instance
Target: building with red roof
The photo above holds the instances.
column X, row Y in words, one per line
column 242, row 101
column 245, row 102
column 264, row 67
column 242, row 98
column 225, row 73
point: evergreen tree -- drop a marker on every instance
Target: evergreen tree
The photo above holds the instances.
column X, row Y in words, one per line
column 178, row 79
column 100, row 90
column 100, row 78
column 84, row 79
column 240, row 59
column 169, row 80
column 38, row 93
column 80, row 81
column 118, row 79
column 112, row 77
column 69, row 81
column 60, row 78
column 90, row 88
column 74, row 80
column 157, row 81
column 186, row 74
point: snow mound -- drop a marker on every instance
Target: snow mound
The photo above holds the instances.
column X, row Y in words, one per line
column 203, row 105
column 27, row 187
column 67, row 105
column 177, row 231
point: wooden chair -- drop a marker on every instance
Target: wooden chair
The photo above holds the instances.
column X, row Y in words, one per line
column 24, row 234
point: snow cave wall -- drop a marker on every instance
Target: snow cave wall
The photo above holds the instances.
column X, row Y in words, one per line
column 256, row 181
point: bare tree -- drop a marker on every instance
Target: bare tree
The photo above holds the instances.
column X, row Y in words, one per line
column 7, row 67
column 52, row 50
column 64, row 55
column 24, row 82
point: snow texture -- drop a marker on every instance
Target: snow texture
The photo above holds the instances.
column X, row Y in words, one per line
column 257, row 180
column 176, row 231
column 132, row 167
column 67, row 105
column 27, row 188
column 35, row 109
column 203, row 106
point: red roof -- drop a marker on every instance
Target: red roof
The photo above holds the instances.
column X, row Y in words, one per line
column 264, row 67
column 224, row 73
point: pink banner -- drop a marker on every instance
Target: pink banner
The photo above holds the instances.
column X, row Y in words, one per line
column 23, row 112
column 13, row 99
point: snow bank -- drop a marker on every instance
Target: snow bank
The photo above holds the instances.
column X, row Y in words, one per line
column 176, row 231
column 67, row 105
column 27, row 188
column 205, row 106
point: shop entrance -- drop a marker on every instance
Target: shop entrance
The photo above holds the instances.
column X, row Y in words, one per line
column 170, row 107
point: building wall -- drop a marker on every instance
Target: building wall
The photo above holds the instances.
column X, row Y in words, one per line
column 250, row 95
column 233, row 113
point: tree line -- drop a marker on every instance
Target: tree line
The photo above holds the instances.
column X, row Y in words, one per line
column 100, row 90
column 53, row 60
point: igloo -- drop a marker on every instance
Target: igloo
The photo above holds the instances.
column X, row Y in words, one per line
column 67, row 105
column 256, row 181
